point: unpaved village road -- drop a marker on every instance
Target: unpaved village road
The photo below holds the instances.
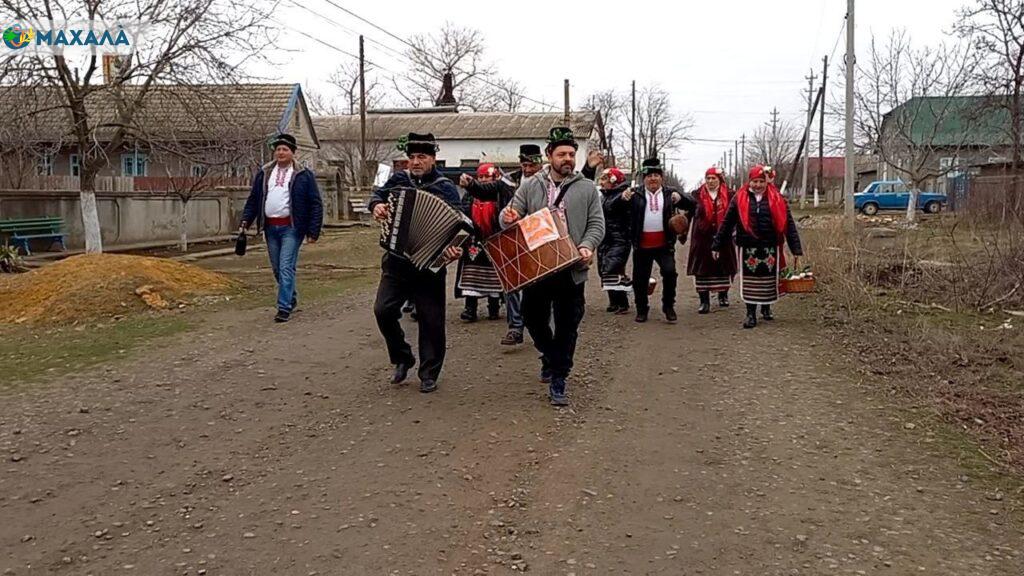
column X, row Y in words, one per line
column 690, row 449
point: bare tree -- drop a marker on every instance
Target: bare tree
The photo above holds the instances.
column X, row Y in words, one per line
column 611, row 105
column 996, row 30
column 186, row 42
column 346, row 80
column 322, row 105
column 907, row 103
column 659, row 128
column 452, row 49
column 502, row 95
column 773, row 144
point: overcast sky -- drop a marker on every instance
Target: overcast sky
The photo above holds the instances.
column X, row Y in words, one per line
column 725, row 62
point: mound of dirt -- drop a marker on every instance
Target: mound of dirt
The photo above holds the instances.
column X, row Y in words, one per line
column 97, row 285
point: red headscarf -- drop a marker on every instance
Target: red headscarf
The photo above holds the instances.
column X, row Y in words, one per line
column 615, row 176
column 714, row 214
column 776, row 204
column 486, row 169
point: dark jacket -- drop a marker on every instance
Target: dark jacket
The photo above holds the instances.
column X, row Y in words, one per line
column 499, row 191
column 702, row 235
column 307, row 207
column 432, row 182
column 638, row 204
column 613, row 253
column 761, row 222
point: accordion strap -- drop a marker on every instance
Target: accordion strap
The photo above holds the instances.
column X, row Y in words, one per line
column 561, row 195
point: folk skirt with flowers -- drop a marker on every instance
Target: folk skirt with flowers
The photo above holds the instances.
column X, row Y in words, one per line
column 759, row 274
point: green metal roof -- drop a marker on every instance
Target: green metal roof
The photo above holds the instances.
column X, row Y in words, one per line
column 936, row 121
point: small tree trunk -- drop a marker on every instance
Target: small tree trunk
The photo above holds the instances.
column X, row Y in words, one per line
column 91, row 221
column 912, row 205
column 183, row 225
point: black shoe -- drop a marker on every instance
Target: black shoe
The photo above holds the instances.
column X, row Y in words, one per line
column 670, row 315
column 723, row 299
column 556, row 392
column 282, row 316
column 493, row 315
column 512, row 338
column 641, row 316
column 428, row 386
column 545, row 376
column 401, row 373
column 624, row 309
column 613, row 308
column 468, row 316
column 750, row 322
column 766, row 313
column 705, row 303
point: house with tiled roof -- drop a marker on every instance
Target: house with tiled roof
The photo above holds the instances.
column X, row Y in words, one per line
column 233, row 120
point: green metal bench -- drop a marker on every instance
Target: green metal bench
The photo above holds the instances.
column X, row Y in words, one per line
column 23, row 230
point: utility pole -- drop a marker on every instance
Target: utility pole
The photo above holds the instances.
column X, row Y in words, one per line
column 736, row 162
column 362, row 114
column 773, row 149
column 807, row 135
column 743, row 157
column 821, row 129
column 568, row 118
column 632, row 138
column 851, row 61
column 730, row 166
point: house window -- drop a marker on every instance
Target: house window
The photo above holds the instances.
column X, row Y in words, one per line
column 199, row 170
column 135, row 164
column 45, row 165
column 238, row 171
column 76, row 165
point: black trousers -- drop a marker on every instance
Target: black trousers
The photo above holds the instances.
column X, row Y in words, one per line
column 643, row 264
column 561, row 298
column 401, row 281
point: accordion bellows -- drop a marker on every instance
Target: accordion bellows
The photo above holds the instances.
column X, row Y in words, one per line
column 518, row 266
column 421, row 226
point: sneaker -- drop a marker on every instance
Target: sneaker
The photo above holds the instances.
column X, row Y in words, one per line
column 556, row 392
column 282, row 316
column 428, row 386
column 512, row 338
column 545, row 376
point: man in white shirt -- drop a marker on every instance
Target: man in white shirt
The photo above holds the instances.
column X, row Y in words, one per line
column 653, row 239
column 285, row 204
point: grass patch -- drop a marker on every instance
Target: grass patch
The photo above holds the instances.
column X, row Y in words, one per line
column 29, row 355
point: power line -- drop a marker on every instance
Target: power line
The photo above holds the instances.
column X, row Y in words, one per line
column 434, row 58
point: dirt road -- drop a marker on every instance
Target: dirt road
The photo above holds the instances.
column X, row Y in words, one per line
column 250, row 448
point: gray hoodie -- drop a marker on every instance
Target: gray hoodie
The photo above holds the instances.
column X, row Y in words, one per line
column 583, row 211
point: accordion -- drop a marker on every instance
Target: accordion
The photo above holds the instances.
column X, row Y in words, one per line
column 531, row 249
column 421, row 226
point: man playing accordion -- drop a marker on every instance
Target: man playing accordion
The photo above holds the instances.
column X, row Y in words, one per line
column 400, row 280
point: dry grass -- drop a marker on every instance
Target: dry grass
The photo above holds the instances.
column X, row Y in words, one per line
column 928, row 309
column 98, row 285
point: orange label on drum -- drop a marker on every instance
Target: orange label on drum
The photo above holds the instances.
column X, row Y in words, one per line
column 538, row 229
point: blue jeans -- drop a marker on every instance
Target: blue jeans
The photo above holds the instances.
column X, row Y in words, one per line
column 514, row 310
column 283, row 244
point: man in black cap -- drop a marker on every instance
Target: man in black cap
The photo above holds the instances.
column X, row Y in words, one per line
column 285, row 204
column 501, row 191
column 653, row 239
column 401, row 281
column 561, row 295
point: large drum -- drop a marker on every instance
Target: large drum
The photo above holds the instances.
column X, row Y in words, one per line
column 533, row 248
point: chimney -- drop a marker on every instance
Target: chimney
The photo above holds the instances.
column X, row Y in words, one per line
column 447, row 96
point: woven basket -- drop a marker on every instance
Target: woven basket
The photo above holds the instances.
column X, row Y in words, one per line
column 791, row 286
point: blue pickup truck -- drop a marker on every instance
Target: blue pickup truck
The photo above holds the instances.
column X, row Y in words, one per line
column 894, row 195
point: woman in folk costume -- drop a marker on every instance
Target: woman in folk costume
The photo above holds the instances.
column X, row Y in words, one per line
column 613, row 253
column 711, row 274
column 477, row 277
column 762, row 222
